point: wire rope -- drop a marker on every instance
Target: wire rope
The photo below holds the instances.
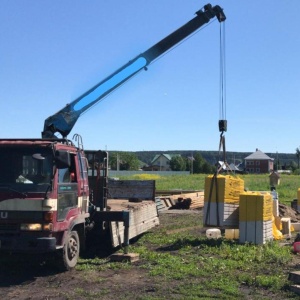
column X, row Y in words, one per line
column 222, row 73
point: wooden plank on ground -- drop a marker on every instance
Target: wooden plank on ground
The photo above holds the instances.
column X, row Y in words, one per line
column 167, row 202
column 174, row 192
column 191, row 200
column 160, row 205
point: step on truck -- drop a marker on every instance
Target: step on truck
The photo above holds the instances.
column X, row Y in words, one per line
column 54, row 195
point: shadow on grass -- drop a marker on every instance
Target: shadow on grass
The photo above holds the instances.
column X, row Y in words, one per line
column 17, row 269
column 200, row 243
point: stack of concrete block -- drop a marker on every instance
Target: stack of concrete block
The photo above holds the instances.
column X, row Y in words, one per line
column 256, row 217
column 275, row 198
column 286, row 227
column 221, row 200
column 275, row 203
column 298, row 200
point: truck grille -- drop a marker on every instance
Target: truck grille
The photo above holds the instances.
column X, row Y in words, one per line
column 8, row 227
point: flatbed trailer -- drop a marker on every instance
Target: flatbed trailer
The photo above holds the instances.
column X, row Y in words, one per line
column 142, row 217
column 124, row 208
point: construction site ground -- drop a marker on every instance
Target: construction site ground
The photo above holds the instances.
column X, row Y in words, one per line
column 23, row 278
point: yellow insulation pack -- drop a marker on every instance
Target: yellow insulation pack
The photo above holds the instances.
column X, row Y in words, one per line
column 223, row 189
column 255, row 206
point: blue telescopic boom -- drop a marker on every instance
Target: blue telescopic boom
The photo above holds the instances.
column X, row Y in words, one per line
column 64, row 120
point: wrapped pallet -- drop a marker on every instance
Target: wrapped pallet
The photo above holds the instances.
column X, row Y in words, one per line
column 221, row 200
column 275, row 201
column 255, row 218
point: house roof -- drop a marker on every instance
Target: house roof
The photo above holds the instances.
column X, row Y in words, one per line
column 231, row 167
column 167, row 156
column 258, row 155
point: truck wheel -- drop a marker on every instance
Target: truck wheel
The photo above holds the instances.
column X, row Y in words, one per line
column 71, row 250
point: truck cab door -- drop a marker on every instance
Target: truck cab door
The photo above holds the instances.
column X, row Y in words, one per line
column 83, row 186
column 73, row 188
column 67, row 191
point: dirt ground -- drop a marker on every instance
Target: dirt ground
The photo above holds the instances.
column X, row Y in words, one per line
column 30, row 279
column 43, row 283
column 27, row 279
column 288, row 212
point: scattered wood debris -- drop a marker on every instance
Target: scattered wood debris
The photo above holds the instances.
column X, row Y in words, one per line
column 179, row 200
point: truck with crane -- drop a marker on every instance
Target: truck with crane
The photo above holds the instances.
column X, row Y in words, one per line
column 54, row 194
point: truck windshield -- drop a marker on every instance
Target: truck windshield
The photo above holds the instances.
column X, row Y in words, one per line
column 26, row 168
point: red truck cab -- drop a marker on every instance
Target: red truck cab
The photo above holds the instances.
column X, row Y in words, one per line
column 44, row 197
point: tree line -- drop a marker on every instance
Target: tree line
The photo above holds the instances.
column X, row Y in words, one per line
column 130, row 161
column 196, row 161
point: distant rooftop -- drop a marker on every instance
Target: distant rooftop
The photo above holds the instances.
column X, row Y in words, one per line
column 258, row 155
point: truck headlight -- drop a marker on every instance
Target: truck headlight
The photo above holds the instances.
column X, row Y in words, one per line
column 48, row 227
column 31, row 227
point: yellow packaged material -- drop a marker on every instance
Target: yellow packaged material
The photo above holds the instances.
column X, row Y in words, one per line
column 278, row 223
column 298, row 197
column 255, row 206
column 223, row 189
column 232, row 234
column 277, row 234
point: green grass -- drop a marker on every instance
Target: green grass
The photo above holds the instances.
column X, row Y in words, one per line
column 184, row 264
column 221, row 266
column 177, row 261
column 198, row 268
column 287, row 189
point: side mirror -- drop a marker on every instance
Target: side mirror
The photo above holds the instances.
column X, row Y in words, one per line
column 38, row 156
column 62, row 159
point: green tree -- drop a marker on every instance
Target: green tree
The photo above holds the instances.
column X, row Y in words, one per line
column 207, row 168
column 177, row 163
column 125, row 160
column 277, row 165
column 198, row 163
column 298, row 156
column 293, row 166
column 189, row 163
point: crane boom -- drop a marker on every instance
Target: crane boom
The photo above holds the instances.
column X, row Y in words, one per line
column 64, row 120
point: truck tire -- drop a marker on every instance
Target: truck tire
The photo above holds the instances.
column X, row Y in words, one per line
column 70, row 251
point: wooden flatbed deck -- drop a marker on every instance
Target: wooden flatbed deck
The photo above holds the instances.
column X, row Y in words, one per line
column 143, row 215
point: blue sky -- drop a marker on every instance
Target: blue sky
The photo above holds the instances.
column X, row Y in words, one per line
column 53, row 51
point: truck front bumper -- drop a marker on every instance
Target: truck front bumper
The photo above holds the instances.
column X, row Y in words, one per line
column 27, row 244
